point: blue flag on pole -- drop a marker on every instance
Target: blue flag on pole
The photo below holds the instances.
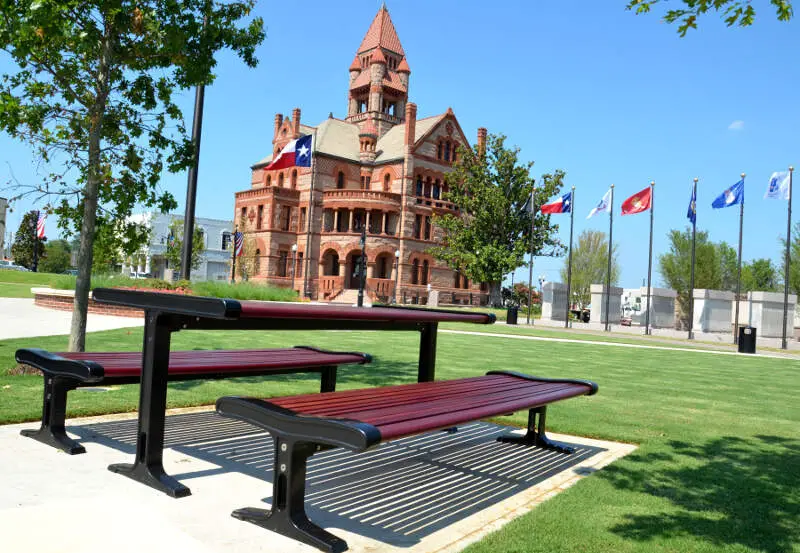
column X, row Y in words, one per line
column 691, row 213
column 732, row 196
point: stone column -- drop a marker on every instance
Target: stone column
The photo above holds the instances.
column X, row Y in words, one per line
column 351, row 214
column 598, row 314
column 712, row 310
column 384, row 222
column 147, row 264
column 367, row 219
column 342, row 267
column 335, row 220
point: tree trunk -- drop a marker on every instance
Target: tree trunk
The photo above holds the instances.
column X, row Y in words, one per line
column 83, row 284
column 496, row 294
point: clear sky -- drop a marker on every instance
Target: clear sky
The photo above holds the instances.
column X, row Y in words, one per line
column 585, row 86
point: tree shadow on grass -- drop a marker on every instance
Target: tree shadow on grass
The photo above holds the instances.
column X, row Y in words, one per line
column 729, row 491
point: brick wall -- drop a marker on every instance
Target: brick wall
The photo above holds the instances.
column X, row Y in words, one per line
column 64, row 303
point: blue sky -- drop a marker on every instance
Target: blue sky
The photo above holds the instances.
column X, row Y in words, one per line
column 585, row 86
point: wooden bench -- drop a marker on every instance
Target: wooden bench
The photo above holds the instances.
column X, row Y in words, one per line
column 361, row 419
column 66, row 371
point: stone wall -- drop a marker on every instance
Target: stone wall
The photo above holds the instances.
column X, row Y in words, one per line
column 63, row 299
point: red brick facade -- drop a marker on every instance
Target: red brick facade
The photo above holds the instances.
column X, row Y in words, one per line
column 380, row 167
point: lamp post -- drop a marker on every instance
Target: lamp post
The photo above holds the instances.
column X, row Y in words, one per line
column 396, row 275
column 294, row 262
column 362, row 265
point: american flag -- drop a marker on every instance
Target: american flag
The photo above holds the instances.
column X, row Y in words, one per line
column 40, row 224
column 238, row 243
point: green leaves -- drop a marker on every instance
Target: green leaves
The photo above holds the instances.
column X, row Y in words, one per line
column 734, row 12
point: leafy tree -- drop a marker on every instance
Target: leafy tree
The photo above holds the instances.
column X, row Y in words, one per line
column 734, row 12
column 23, row 246
column 794, row 262
column 56, row 257
column 590, row 265
column 491, row 235
column 175, row 245
column 676, row 266
column 249, row 263
column 728, row 265
column 519, row 296
column 92, row 94
column 759, row 275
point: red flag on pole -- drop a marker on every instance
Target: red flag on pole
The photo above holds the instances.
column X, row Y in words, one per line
column 641, row 201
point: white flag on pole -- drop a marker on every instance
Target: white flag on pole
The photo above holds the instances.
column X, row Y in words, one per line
column 604, row 205
column 778, row 188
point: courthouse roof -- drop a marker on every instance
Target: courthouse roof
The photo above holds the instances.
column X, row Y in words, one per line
column 382, row 34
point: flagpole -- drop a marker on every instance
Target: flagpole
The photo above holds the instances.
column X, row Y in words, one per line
column 233, row 255
column 530, row 264
column 787, row 270
column 307, row 256
column 569, row 263
column 610, row 249
column 650, row 258
column 739, row 269
column 36, row 242
column 694, row 243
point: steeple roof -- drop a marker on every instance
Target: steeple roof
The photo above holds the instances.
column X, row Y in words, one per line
column 382, row 34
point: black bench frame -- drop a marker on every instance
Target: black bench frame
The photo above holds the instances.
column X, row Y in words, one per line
column 296, row 438
column 62, row 375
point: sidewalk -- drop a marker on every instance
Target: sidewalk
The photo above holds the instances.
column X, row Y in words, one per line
column 20, row 318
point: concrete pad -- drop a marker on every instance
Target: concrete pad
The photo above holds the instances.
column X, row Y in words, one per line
column 433, row 492
column 22, row 319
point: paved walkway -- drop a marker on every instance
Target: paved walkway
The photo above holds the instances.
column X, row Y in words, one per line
column 616, row 344
column 20, row 318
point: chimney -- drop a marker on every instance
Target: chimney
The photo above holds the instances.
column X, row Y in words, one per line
column 278, row 122
column 296, row 122
column 411, row 124
column 481, row 139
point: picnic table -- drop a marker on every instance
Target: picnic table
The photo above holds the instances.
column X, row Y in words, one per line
column 168, row 313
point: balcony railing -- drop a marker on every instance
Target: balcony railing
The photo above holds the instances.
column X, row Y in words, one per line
column 346, row 197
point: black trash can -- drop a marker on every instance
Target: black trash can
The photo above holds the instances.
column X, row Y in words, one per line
column 511, row 315
column 747, row 339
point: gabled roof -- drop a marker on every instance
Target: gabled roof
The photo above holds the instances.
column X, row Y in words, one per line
column 390, row 145
column 382, row 34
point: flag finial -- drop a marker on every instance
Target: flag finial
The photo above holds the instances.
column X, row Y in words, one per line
column 743, row 175
column 695, row 180
column 573, row 187
column 612, row 186
column 652, row 183
column 791, row 168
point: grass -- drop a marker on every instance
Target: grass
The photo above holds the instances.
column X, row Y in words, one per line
column 716, row 471
column 15, row 290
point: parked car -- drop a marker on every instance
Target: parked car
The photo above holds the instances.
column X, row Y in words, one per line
column 73, row 272
column 9, row 266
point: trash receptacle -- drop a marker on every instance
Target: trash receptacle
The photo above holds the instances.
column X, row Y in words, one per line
column 747, row 339
column 511, row 315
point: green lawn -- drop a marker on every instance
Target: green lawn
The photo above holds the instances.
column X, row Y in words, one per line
column 15, row 290
column 718, row 467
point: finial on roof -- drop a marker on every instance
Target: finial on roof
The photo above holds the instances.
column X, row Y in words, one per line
column 383, row 5
column 330, row 115
column 450, row 111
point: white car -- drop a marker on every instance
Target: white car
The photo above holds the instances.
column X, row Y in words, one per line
column 8, row 265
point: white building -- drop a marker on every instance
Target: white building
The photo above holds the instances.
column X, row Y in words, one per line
column 216, row 256
column 3, row 208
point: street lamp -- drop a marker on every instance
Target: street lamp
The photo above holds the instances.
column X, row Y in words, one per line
column 362, row 265
column 396, row 275
column 294, row 261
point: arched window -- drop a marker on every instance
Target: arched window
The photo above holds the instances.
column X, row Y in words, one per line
column 425, row 269
column 439, row 151
column 294, row 179
column 457, row 279
column 447, row 151
column 436, row 189
column 415, row 271
column 269, row 180
column 419, row 185
column 455, row 149
column 280, row 180
column 387, row 182
column 340, row 180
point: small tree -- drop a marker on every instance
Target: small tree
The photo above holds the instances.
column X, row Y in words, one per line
column 56, row 257
column 676, row 266
column 249, row 263
column 759, row 275
column 734, row 12
column 491, row 235
column 92, row 93
column 23, row 246
column 728, row 258
column 175, row 246
column 590, row 265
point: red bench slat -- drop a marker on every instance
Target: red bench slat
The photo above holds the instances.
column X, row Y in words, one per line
column 197, row 362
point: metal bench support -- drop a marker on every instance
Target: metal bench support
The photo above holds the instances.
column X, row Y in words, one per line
column 536, row 436
column 288, row 514
column 148, row 467
column 54, row 412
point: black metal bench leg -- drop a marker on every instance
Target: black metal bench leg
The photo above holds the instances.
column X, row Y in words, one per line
column 288, row 515
column 327, row 379
column 148, row 468
column 54, row 411
column 536, row 435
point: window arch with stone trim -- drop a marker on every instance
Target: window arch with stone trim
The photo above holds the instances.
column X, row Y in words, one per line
column 280, row 180
column 340, row 180
column 294, row 179
column 387, row 182
column 269, row 181
column 415, row 271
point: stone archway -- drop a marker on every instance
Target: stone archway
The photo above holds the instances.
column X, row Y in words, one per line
column 352, row 273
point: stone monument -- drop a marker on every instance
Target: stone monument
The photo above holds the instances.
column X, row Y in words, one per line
column 766, row 313
column 599, row 304
column 712, row 310
column 554, row 301
column 662, row 307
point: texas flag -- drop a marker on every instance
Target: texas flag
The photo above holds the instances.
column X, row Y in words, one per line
column 297, row 153
column 561, row 205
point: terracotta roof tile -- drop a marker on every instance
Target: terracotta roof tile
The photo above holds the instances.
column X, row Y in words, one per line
column 382, row 34
column 403, row 67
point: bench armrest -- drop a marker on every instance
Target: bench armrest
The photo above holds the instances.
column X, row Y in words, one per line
column 351, row 434
column 592, row 385
column 196, row 306
column 52, row 364
column 365, row 357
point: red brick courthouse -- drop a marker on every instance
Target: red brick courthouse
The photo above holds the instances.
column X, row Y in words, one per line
column 381, row 167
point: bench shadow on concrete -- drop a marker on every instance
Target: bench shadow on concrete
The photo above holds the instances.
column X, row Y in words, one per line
column 397, row 494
